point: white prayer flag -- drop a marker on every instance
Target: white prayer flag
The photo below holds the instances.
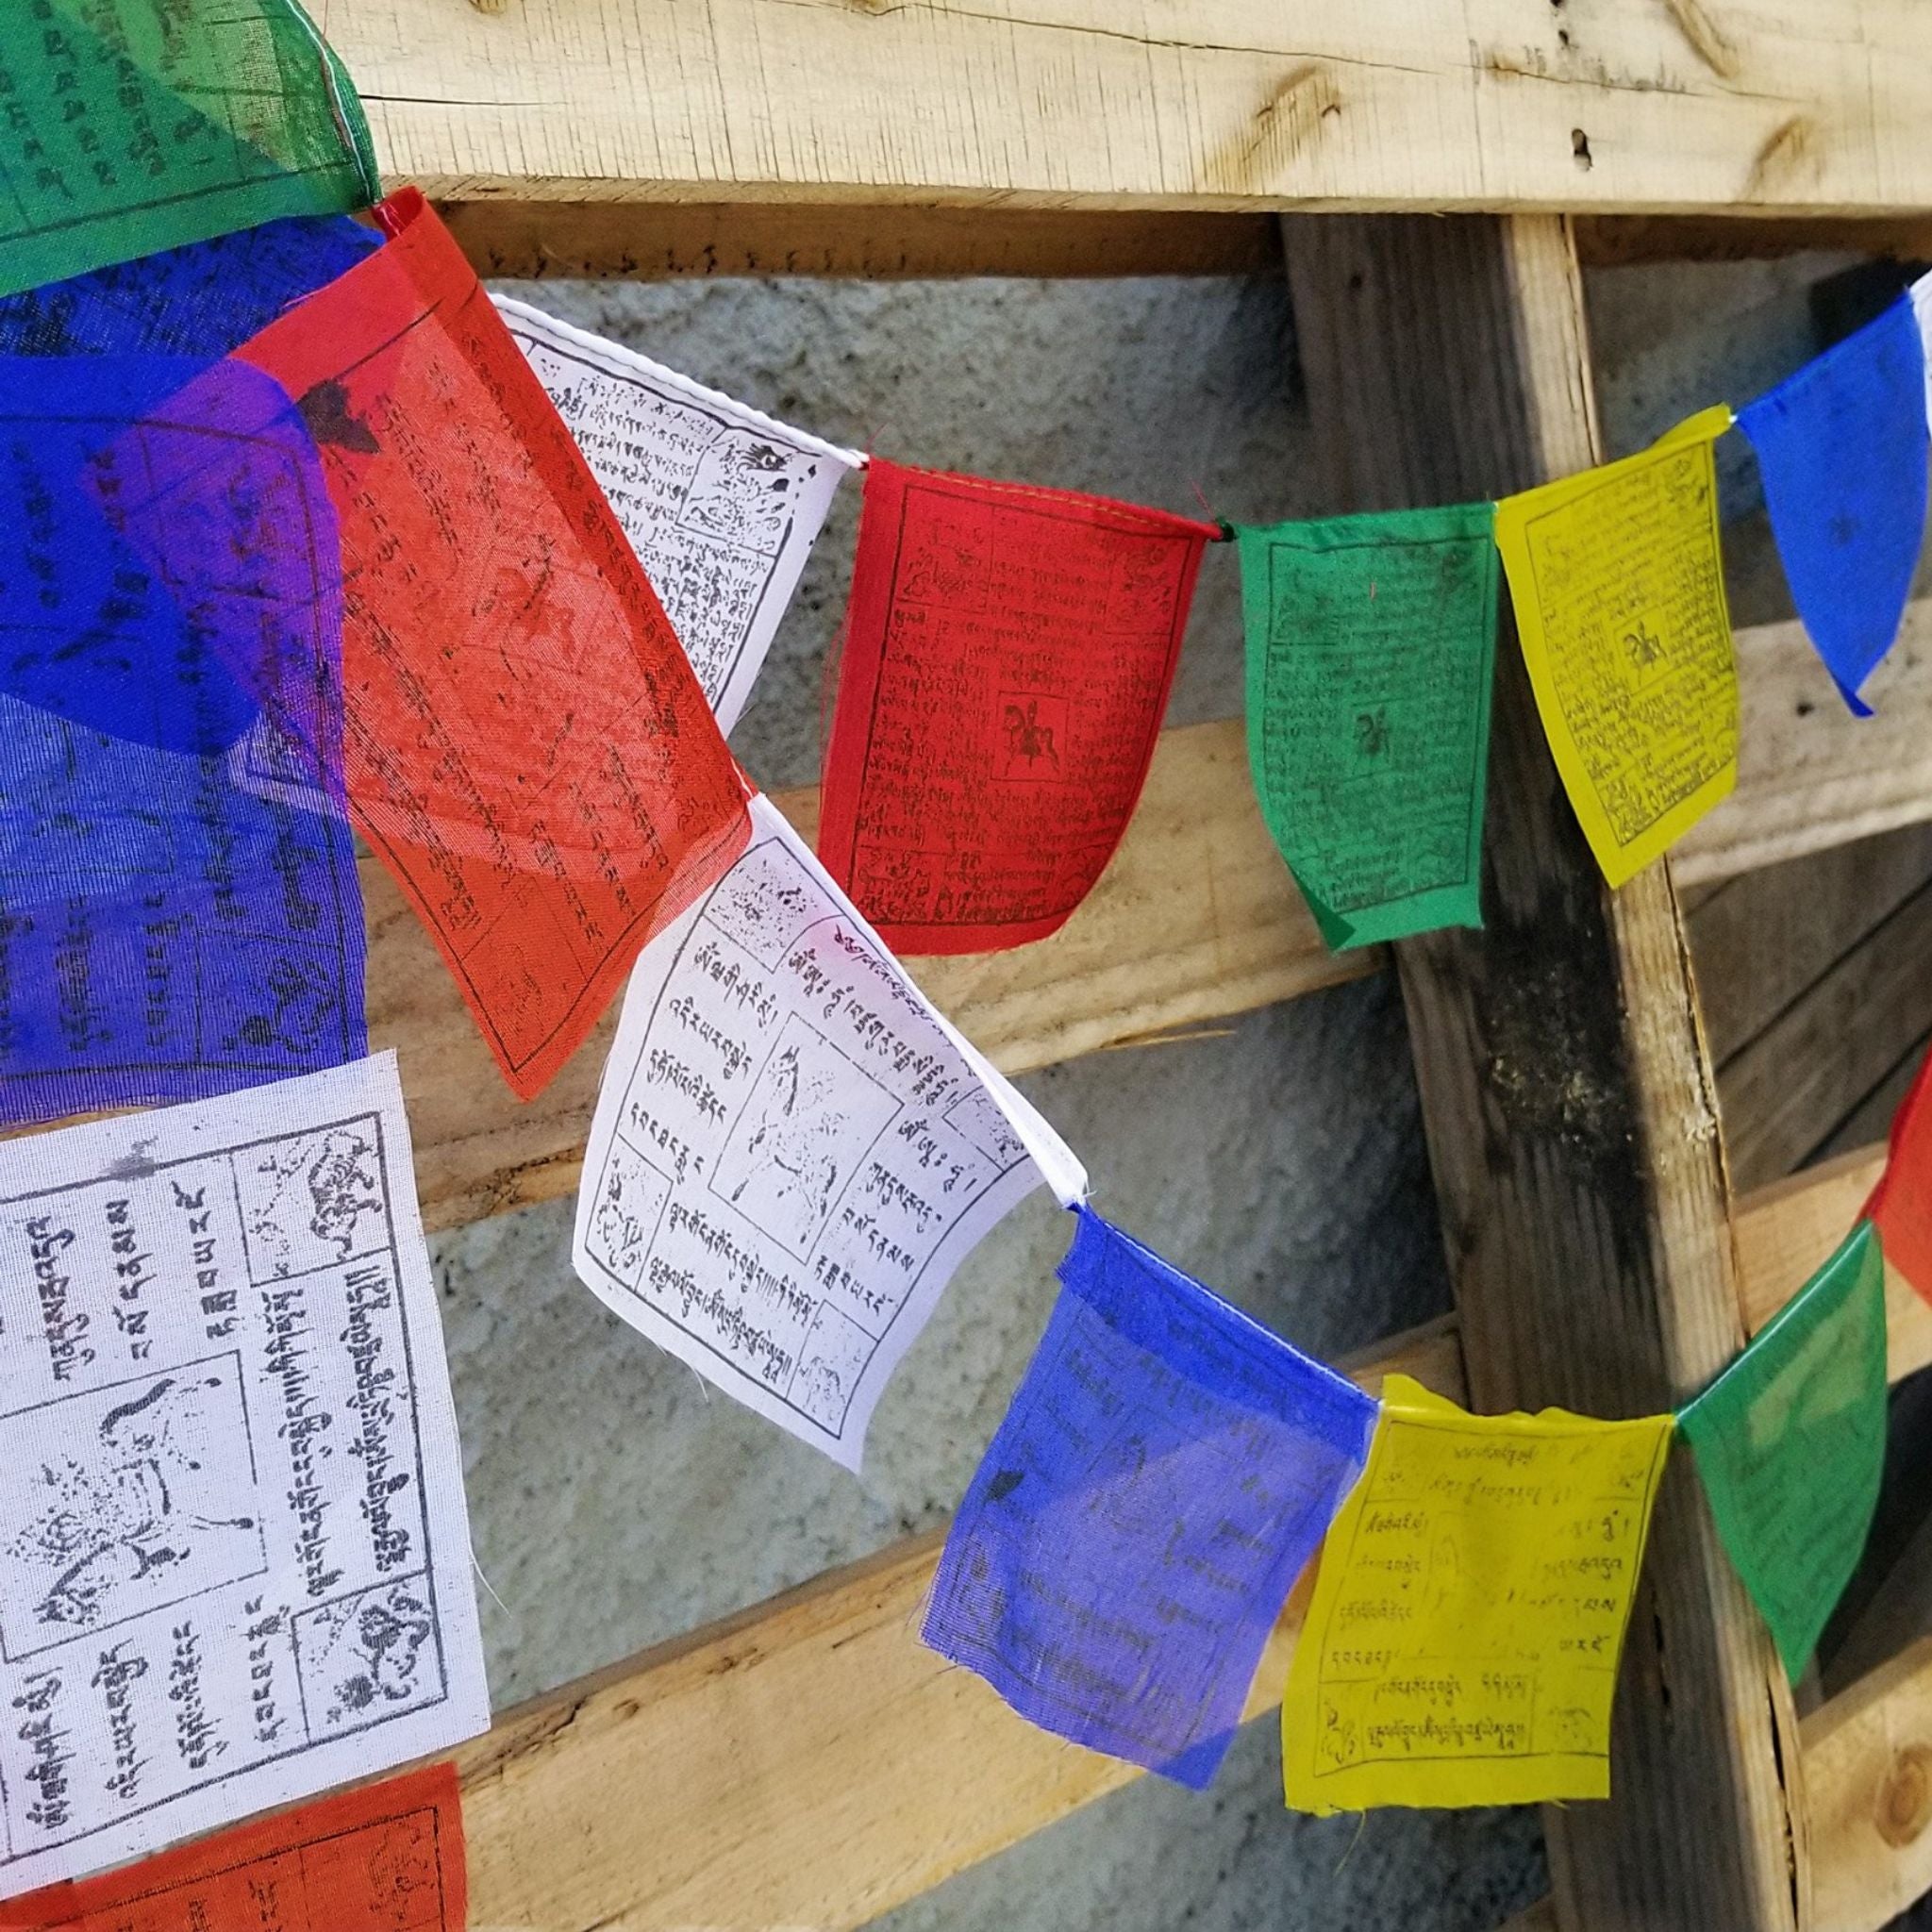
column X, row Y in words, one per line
column 793, row 1150
column 234, row 1556
column 721, row 502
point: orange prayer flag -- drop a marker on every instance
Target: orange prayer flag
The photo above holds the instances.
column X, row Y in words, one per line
column 387, row 1858
column 528, row 748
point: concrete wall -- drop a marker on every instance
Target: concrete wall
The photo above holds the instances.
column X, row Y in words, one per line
column 616, row 1501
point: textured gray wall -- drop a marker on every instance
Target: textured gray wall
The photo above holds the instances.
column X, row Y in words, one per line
column 617, row 1502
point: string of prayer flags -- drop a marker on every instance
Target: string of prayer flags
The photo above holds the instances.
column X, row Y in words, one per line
column 234, row 1558
column 1469, row 1612
column 1371, row 643
column 1790, row 1441
column 1008, row 659
column 528, row 749
column 166, row 931
column 1841, row 446
column 200, row 300
column 1618, row 584
column 1901, row 1205
column 721, row 502
column 136, row 125
column 386, row 1859
column 792, row 1150
column 1164, row 1473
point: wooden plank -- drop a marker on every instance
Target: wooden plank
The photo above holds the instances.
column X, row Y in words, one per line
column 1195, row 919
column 809, row 1762
column 1873, row 1117
column 661, row 241
column 1566, row 1093
column 914, row 1770
column 1784, row 1093
column 1812, row 910
column 1622, row 240
column 1786, row 1231
column 1385, row 104
column 1811, row 775
column 1868, row 1773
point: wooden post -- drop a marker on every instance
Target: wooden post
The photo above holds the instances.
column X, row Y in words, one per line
column 1566, row 1091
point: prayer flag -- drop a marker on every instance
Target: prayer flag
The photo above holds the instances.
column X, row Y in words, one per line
column 1008, row 658
column 721, row 504
column 1790, row 1444
column 234, row 1556
column 200, row 300
column 1618, row 581
column 1841, row 446
column 1901, row 1205
column 386, row 1859
column 165, row 932
column 528, row 749
column 135, row 125
column 1371, row 644
column 792, row 1149
column 1165, row 1468
column 1469, row 1612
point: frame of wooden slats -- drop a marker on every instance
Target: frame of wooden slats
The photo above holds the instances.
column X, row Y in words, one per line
column 807, row 1762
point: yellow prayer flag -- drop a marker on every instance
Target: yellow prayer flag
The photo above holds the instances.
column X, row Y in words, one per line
column 1462, row 1644
column 1618, row 582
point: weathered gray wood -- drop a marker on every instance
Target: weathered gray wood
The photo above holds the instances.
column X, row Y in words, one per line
column 1566, row 1093
column 1760, row 940
column 1787, row 1091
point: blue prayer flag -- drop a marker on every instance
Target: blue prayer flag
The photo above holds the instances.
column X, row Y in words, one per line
column 169, row 577
column 201, row 301
column 1165, row 1470
column 1841, row 446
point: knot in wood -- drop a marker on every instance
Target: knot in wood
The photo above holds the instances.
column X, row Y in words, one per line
column 1905, row 1801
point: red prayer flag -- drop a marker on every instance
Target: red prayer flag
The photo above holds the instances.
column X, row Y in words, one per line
column 1007, row 660
column 386, row 1859
column 1901, row 1205
column 526, row 748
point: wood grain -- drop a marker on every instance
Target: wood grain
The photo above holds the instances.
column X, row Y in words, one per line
column 809, row 1762
column 1622, row 240
column 1566, row 1094
column 1784, row 1092
column 668, row 241
column 1760, row 939
column 1383, row 104
column 1867, row 1770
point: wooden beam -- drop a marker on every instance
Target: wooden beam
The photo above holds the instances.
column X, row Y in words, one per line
column 1809, row 774
column 914, row 1770
column 809, row 1762
column 1382, row 104
column 1868, row 1773
column 1785, row 1232
column 1622, row 241
column 661, row 241
column 1195, row 919
column 1785, row 1091
column 1568, row 1101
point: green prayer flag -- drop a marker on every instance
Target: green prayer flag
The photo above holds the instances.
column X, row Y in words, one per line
column 128, row 126
column 1790, row 1444
column 1371, row 640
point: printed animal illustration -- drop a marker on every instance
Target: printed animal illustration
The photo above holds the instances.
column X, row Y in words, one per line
column 106, row 1524
column 795, row 1147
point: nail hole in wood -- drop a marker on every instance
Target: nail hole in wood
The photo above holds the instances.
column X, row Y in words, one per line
column 1579, row 147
